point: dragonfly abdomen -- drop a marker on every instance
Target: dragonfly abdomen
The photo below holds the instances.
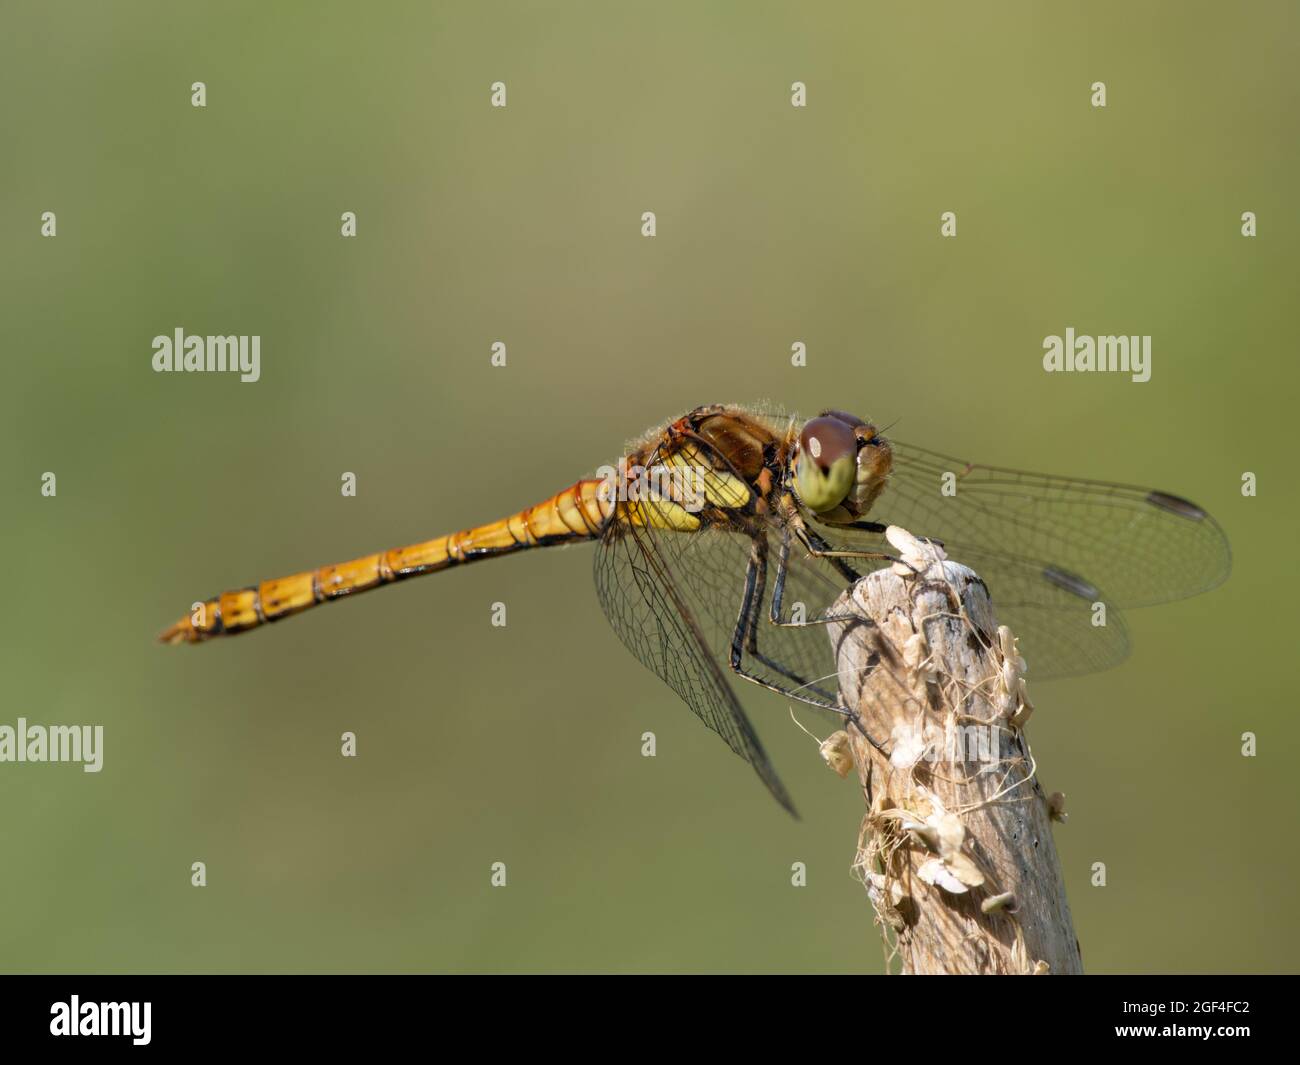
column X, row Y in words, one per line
column 576, row 514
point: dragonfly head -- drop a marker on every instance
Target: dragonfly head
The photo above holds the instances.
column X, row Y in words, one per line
column 841, row 461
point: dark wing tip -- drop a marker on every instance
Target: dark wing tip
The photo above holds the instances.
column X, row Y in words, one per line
column 1071, row 582
column 788, row 805
column 1184, row 508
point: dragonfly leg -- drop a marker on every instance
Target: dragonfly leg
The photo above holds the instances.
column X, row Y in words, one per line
column 817, row 547
column 775, row 614
column 882, row 527
column 745, row 641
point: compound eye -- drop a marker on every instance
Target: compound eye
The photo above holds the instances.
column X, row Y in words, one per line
column 825, row 440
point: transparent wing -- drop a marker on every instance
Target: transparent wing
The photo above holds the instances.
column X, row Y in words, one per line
column 1051, row 547
column 641, row 581
column 1141, row 545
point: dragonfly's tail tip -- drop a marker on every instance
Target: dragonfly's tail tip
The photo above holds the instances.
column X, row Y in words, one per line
column 181, row 632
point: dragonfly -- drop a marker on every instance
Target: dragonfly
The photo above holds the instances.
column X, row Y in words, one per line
column 725, row 538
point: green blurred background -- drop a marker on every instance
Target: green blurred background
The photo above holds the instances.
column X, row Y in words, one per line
column 521, row 744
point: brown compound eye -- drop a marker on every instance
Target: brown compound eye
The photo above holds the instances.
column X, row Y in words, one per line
column 828, row 439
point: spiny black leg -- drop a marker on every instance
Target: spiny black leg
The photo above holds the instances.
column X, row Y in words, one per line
column 774, row 616
column 755, row 589
column 881, row 527
column 818, row 547
column 758, row 563
column 778, row 592
column 745, row 638
column 778, row 587
column 755, row 572
column 867, row 526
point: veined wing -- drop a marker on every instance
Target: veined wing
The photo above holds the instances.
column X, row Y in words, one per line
column 1141, row 545
column 1050, row 547
column 640, row 582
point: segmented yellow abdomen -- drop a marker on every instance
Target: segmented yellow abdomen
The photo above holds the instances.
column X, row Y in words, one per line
column 578, row 513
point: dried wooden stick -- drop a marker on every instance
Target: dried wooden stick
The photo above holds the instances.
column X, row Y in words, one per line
column 956, row 847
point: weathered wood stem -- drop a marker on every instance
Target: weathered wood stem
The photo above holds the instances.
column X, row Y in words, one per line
column 956, row 847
